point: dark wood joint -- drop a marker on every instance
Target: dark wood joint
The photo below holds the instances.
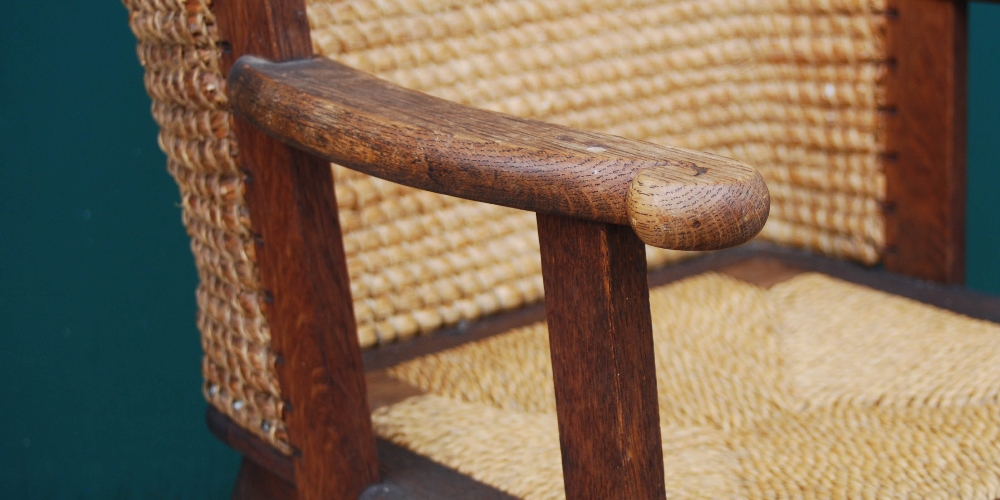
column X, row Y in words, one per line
column 256, row 482
column 249, row 445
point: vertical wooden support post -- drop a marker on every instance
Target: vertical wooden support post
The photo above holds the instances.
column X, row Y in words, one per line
column 925, row 164
column 601, row 335
column 301, row 259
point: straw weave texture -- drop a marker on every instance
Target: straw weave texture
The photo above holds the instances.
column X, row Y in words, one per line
column 814, row 389
column 177, row 48
column 790, row 86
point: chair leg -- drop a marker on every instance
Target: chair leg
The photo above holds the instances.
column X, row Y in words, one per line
column 254, row 482
column 601, row 338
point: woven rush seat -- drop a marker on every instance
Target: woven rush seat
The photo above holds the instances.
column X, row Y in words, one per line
column 815, row 388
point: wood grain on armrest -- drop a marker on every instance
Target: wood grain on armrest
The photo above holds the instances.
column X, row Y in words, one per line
column 672, row 197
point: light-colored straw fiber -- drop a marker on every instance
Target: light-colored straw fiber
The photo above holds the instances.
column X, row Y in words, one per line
column 792, row 88
column 816, row 388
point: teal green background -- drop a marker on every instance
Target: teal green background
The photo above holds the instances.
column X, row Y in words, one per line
column 983, row 216
column 100, row 377
column 99, row 356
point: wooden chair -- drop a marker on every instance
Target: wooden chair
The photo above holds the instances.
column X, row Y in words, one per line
column 276, row 300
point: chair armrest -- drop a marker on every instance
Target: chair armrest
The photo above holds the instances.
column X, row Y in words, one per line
column 672, row 197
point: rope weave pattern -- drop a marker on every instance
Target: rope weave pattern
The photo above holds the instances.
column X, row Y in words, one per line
column 816, row 388
column 788, row 85
column 177, row 48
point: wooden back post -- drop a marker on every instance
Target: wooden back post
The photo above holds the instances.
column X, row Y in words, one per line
column 925, row 139
column 301, row 259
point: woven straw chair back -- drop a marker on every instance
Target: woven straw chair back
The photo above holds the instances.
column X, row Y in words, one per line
column 790, row 86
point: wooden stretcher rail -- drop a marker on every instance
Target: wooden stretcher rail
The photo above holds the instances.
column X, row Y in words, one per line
column 671, row 197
